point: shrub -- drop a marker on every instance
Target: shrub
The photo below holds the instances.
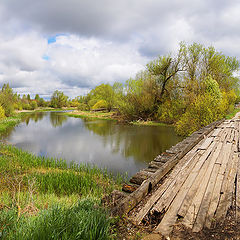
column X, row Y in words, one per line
column 83, row 107
column 33, row 105
column 100, row 104
column 2, row 112
column 203, row 111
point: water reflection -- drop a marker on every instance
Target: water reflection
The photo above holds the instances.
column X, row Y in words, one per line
column 120, row 148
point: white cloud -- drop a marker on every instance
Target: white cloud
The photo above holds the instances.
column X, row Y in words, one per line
column 103, row 41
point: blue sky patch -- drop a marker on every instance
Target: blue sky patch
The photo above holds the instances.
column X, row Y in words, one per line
column 46, row 57
column 52, row 39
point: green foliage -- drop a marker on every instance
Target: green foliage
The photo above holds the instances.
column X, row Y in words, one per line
column 58, row 99
column 81, row 221
column 33, row 105
column 82, row 107
column 100, row 104
column 7, row 99
column 2, row 112
column 204, row 110
column 102, row 92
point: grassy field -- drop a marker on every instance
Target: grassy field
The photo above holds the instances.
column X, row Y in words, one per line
column 46, row 198
column 91, row 115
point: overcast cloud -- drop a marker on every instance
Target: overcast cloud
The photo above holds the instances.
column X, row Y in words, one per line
column 74, row 45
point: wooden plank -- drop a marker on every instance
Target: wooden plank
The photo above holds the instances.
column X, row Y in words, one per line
column 180, row 166
column 167, row 198
column 189, row 198
column 231, row 185
column 225, row 153
column 200, row 220
column 214, row 200
column 176, row 184
column 225, row 157
column 206, row 143
column 226, row 188
column 170, row 217
column 216, row 132
column 217, row 190
column 193, row 210
column 238, row 192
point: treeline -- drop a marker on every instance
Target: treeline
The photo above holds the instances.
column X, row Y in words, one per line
column 10, row 101
column 190, row 89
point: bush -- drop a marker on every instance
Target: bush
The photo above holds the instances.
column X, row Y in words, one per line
column 2, row 112
column 33, row 105
column 83, row 107
column 26, row 106
column 204, row 110
column 100, row 104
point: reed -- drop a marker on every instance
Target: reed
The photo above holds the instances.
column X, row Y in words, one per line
column 46, row 198
column 81, row 221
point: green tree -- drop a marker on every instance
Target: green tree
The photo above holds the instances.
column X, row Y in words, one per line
column 7, row 99
column 58, row 99
column 103, row 92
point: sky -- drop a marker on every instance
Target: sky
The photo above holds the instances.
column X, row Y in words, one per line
column 75, row 45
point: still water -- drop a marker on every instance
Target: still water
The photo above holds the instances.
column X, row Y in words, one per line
column 119, row 148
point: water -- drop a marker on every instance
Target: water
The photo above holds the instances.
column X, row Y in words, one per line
column 117, row 147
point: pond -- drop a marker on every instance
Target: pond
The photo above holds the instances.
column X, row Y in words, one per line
column 117, row 147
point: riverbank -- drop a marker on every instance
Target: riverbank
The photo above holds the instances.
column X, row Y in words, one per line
column 34, row 191
column 115, row 117
column 92, row 115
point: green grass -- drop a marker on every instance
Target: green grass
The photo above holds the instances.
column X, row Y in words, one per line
column 149, row 123
column 9, row 122
column 91, row 115
column 80, row 221
column 45, row 198
column 233, row 113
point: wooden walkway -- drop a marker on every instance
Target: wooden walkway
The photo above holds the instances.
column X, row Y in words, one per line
column 202, row 186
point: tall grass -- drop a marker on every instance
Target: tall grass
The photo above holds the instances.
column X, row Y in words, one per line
column 49, row 189
column 9, row 122
column 81, row 221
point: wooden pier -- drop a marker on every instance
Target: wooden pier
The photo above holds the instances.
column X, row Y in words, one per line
column 199, row 187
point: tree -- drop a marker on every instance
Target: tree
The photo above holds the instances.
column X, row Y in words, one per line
column 37, row 98
column 103, row 92
column 58, row 99
column 7, row 99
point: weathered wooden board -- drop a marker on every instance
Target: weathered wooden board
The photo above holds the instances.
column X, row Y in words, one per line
column 183, row 163
column 170, row 217
column 193, row 210
column 206, row 143
column 238, row 191
column 189, row 198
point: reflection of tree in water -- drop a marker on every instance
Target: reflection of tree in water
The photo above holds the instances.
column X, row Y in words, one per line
column 143, row 143
column 37, row 116
column 57, row 119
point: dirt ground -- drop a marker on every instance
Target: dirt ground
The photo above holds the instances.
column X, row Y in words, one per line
column 227, row 230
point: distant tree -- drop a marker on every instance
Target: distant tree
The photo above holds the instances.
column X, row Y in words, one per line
column 7, row 99
column 37, row 98
column 28, row 98
column 58, row 99
column 41, row 102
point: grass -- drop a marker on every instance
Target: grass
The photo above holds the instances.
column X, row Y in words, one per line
column 233, row 113
column 91, row 115
column 148, row 123
column 45, row 198
column 80, row 221
column 9, row 122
